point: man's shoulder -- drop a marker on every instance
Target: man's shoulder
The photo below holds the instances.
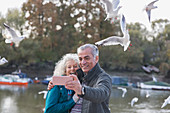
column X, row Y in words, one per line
column 105, row 75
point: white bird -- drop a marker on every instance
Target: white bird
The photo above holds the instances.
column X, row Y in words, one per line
column 147, row 94
column 149, row 7
column 43, row 92
column 115, row 40
column 3, row 61
column 124, row 91
column 135, row 99
column 154, row 79
column 166, row 101
column 14, row 37
column 111, row 8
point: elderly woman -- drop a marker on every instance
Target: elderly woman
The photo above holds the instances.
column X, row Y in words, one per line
column 59, row 99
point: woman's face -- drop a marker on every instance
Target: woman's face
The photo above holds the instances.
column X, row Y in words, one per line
column 71, row 67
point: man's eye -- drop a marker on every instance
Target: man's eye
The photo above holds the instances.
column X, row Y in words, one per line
column 87, row 58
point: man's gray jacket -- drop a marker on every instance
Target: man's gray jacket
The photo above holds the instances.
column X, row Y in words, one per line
column 98, row 86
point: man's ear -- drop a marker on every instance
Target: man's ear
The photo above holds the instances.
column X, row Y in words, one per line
column 97, row 59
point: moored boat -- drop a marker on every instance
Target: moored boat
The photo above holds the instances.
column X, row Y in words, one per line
column 117, row 80
column 9, row 79
column 46, row 80
column 154, row 85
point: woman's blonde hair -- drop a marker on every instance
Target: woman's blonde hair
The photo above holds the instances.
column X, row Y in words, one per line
column 60, row 67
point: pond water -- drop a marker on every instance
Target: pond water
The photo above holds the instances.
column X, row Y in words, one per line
column 17, row 99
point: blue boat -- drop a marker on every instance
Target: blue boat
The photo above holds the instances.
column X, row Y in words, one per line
column 46, row 80
column 117, row 80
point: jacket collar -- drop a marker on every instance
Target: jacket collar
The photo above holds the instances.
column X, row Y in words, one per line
column 93, row 73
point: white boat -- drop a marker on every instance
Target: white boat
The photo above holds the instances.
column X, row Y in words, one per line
column 154, row 85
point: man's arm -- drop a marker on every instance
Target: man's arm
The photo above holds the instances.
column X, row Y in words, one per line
column 101, row 90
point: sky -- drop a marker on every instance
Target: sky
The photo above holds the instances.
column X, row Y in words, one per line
column 132, row 9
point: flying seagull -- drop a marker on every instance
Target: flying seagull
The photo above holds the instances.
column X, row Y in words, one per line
column 147, row 94
column 149, row 7
column 111, row 8
column 43, row 92
column 115, row 40
column 44, row 97
column 124, row 90
column 14, row 37
column 135, row 99
column 3, row 61
column 154, row 78
column 166, row 101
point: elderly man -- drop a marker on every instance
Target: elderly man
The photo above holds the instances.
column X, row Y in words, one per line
column 95, row 90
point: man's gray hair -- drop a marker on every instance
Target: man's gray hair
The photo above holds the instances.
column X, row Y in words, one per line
column 60, row 67
column 95, row 51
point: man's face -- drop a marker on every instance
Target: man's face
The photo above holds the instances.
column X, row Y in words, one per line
column 87, row 61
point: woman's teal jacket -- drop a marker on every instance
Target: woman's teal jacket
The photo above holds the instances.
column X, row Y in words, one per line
column 57, row 100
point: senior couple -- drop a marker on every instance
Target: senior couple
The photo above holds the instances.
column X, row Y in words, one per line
column 89, row 93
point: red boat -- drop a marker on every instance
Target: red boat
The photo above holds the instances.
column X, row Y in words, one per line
column 9, row 79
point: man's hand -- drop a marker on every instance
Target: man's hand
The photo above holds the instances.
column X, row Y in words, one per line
column 50, row 85
column 74, row 85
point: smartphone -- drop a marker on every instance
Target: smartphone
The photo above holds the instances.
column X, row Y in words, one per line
column 80, row 74
column 60, row 80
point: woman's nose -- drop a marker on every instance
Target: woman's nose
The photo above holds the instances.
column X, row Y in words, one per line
column 72, row 68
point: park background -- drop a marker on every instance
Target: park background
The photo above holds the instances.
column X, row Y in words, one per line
column 60, row 26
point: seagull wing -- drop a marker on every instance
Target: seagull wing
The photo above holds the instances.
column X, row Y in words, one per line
column 123, row 89
column 11, row 31
column 115, row 4
column 149, row 14
column 43, row 92
column 8, row 41
column 126, row 37
column 4, row 60
column 164, row 104
column 151, row 4
column 135, row 99
column 166, row 101
column 113, row 40
column 123, row 24
column 108, row 6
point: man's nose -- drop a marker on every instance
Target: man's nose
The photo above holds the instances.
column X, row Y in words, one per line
column 83, row 61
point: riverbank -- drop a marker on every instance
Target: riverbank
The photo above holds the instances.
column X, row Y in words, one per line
column 41, row 73
column 140, row 76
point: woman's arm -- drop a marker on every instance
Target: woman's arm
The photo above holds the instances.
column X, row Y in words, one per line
column 52, row 102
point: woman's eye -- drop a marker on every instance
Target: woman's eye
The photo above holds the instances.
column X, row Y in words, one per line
column 69, row 67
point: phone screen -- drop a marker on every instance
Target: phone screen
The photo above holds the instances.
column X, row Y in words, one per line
column 60, row 80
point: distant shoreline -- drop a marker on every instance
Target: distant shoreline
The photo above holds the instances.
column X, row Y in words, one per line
column 42, row 73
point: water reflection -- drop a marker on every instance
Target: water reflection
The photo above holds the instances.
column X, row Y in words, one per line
column 14, row 88
column 8, row 105
column 17, row 99
column 151, row 104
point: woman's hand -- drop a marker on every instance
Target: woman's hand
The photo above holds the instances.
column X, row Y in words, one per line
column 50, row 85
